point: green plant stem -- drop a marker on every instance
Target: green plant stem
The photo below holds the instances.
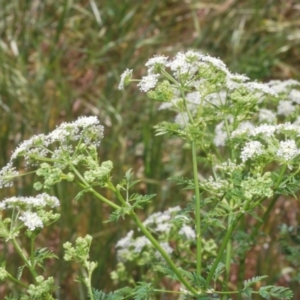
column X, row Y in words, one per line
column 99, row 196
column 221, row 250
column 198, row 214
column 227, row 261
column 15, row 280
column 32, row 250
column 89, row 286
column 117, row 192
column 163, row 253
column 27, row 263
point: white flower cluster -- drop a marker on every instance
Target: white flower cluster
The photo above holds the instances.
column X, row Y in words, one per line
column 215, row 186
column 285, row 108
column 266, row 130
column 220, row 135
column 160, row 223
column 26, row 205
column 251, row 149
column 287, row 150
column 31, row 220
column 7, row 175
column 185, row 66
column 282, row 86
column 229, row 167
column 125, row 79
column 86, row 129
column 244, row 128
column 266, row 115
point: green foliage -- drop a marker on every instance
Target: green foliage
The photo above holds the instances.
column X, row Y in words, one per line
column 142, row 291
column 41, row 254
column 276, row 292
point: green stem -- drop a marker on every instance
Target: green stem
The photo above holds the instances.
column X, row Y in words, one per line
column 163, row 253
column 32, row 250
column 221, row 250
column 117, row 192
column 99, row 196
column 15, row 280
column 227, row 262
column 27, row 263
column 90, row 287
column 198, row 215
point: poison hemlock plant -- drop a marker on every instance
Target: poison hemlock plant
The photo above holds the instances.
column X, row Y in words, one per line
column 246, row 132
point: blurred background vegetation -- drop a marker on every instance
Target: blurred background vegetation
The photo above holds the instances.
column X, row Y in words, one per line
column 60, row 59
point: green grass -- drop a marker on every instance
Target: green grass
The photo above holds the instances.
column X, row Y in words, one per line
column 62, row 59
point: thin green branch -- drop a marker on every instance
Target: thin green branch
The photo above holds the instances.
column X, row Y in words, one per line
column 99, row 196
column 27, row 263
column 198, row 213
column 163, row 253
column 15, row 280
column 221, row 250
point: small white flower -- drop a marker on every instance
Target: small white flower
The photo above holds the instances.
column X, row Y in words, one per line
column 244, row 127
column 125, row 79
column 182, row 119
column 285, row 108
column 194, row 98
column 31, row 220
column 238, row 77
column 156, row 62
column 140, row 243
column 188, row 232
column 260, row 87
column 185, row 63
column 266, row 115
column 174, row 209
column 282, row 86
column 148, row 82
column 295, row 96
column 221, row 135
column 217, row 62
column 265, row 129
column 126, row 241
column 163, row 227
column 7, row 175
column 288, row 127
column 287, row 150
column 251, row 149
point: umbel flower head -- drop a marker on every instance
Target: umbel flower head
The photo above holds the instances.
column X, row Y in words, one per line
column 32, row 210
column 69, row 142
column 196, row 85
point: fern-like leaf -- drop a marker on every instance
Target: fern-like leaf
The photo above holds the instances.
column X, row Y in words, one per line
column 252, row 281
column 278, row 292
column 142, row 291
column 20, row 272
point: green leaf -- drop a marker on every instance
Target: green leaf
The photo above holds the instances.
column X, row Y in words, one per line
column 252, row 281
column 41, row 254
column 140, row 200
column 142, row 291
column 278, row 292
column 219, row 270
column 247, row 293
